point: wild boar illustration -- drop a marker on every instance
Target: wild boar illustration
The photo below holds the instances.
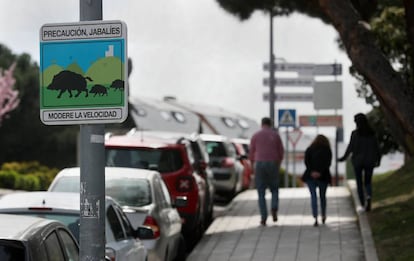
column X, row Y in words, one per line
column 69, row 81
column 118, row 85
column 99, row 89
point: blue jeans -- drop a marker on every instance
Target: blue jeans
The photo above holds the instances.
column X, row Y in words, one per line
column 312, row 185
column 267, row 176
column 363, row 176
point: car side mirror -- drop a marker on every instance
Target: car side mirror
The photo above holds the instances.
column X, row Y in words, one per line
column 180, row 202
column 144, row 232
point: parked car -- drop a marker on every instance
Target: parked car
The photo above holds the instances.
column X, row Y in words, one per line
column 122, row 241
column 146, row 201
column 26, row 238
column 226, row 167
column 240, row 147
column 173, row 157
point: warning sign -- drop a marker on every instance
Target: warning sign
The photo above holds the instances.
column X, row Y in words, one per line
column 287, row 118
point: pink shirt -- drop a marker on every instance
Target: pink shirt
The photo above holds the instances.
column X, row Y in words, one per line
column 266, row 145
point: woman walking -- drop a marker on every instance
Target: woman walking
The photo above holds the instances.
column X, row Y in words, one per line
column 318, row 158
column 365, row 157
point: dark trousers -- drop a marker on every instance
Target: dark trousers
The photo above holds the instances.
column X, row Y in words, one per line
column 363, row 176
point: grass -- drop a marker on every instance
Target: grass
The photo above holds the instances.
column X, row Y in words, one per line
column 392, row 215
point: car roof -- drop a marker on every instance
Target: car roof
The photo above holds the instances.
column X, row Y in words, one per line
column 113, row 172
column 19, row 227
column 214, row 137
column 60, row 202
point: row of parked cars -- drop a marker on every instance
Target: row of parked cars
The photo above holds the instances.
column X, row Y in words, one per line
column 160, row 189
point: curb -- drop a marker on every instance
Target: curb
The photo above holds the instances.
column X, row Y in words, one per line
column 365, row 229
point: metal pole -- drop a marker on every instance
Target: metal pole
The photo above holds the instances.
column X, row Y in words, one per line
column 287, row 159
column 271, row 70
column 92, row 171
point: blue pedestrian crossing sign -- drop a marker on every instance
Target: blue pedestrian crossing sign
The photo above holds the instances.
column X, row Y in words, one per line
column 287, row 117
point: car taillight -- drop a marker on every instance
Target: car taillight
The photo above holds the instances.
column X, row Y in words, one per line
column 227, row 162
column 184, row 184
column 110, row 253
column 152, row 223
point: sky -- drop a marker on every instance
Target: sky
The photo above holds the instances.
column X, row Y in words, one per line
column 197, row 52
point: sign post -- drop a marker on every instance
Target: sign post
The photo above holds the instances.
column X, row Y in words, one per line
column 294, row 137
column 287, row 118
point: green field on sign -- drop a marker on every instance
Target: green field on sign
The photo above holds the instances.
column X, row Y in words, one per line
column 114, row 98
column 102, row 72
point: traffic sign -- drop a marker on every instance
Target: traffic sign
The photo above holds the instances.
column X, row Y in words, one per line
column 83, row 73
column 290, row 97
column 327, row 95
column 307, row 68
column 294, row 136
column 289, row 82
column 287, row 117
column 320, row 120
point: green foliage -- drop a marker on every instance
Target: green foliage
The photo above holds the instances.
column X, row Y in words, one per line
column 8, row 179
column 26, row 176
column 392, row 214
column 23, row 136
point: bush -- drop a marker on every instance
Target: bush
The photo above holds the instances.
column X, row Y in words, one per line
column 26, row 176
column 8, row 179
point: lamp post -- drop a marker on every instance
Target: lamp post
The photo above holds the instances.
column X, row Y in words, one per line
column 271, row 71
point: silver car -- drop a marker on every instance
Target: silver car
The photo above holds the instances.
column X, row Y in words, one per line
column 145, row 199
column 26, row 238
column 226, row 167
column 121, row 241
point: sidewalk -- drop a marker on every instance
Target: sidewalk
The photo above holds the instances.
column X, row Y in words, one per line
column 237, row 236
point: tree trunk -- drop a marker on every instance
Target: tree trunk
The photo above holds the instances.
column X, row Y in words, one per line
column 409, row 18
column 396, row 98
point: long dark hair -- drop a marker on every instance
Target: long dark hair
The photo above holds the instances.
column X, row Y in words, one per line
column 320, row 141
column 362, row 125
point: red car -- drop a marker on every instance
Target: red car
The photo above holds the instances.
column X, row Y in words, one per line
column 240, row 146
column 172, row 156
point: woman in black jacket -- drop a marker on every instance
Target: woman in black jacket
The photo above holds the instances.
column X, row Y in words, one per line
column 365, row 157
column 318, row 158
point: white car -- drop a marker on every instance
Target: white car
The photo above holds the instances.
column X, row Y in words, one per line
column 226, row 166
column 145, row 199
column 121, row 239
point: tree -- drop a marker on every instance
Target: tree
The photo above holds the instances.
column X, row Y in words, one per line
column 23, row 137
column 349, row 17
column 8, row 97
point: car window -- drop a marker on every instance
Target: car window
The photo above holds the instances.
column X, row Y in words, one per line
column 231, row 150
column 165, row 192
column 115, row 224
column 66, row 184
column 53, row 249
column 216, row 149
column 164, row 160
column 125, row 222
column 69, row 245
column 10, row 251
column 129, row 192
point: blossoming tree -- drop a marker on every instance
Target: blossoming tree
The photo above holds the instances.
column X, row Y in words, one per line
column 8, row 97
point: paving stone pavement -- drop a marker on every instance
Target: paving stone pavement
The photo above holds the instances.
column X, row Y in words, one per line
column 237, row 235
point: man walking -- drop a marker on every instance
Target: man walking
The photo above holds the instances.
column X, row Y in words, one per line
column 266, row 154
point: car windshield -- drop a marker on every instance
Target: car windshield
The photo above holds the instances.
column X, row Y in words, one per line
column 11, row 250
column 163, row 160
column 216, row 149
column 66, row 184
column 129, row 192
